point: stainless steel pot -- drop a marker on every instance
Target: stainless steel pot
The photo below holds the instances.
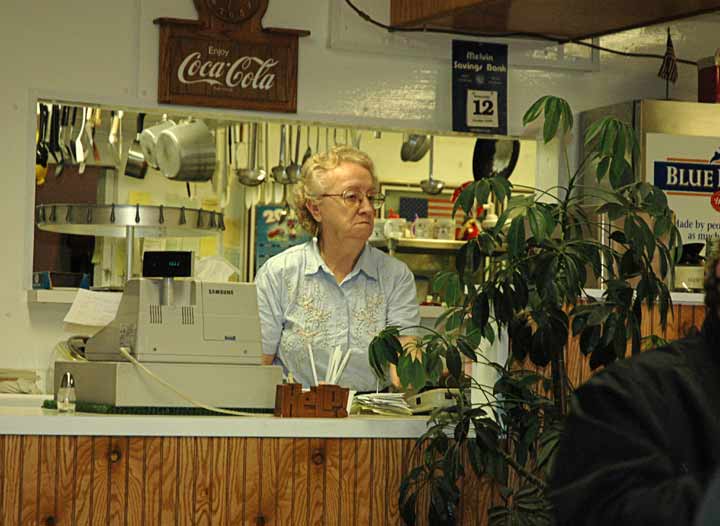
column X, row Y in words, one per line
column 136, row 165
column 186, row 152
column 148, row 141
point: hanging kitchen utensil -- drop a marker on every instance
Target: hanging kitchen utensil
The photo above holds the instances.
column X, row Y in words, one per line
column 230, row 153
column 149, row 137
column 41, row 153
column 279, row 173
column 54, row 146
column 81, row 151
column 285, row 206
column 71, row 134
column 237, row 136
column 414, row 148
column 251, row 175
column 493, row 157
column 136, row 166
column 63, row 135
column 96, row 123
column 261, row 163
column 483, row 154
column 220, row 179
column 430, row 185
column 53, row 126
column 115, row 134
column 308, row 150
column 186, row 152
column 120, row 139
column 114, row 125
column 86, row 137
column 268, row 187
column 355, row 137
column 506, row 157
column 293, row 169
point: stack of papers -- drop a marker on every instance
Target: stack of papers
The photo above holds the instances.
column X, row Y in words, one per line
column 389, row 404
column 95, row 309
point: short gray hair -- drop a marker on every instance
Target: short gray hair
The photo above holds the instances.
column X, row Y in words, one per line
column 311, row 182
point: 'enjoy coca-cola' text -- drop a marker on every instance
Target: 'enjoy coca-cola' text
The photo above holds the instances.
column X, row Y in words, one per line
column 246, row 72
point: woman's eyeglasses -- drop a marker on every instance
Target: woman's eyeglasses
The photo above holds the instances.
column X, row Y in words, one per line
column 353, row 198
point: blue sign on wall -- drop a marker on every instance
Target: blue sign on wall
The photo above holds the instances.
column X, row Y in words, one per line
column 687, row 177
column 479, row 78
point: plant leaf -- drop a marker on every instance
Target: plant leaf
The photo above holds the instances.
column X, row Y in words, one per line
column 534, row 111
column 595, row 128
column 454, row 363
column 602, row 168
column 482, row 192
column 567, row 115
column 466, row 349
column 537, row 225
column 465, row 199
column 501, row 188
column 620, row 173
column 411, row 372
column 552, row 119
column 516, row 237
column 481, row 311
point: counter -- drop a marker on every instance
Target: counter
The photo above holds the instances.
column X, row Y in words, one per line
column 86, row 469
column 37, row 421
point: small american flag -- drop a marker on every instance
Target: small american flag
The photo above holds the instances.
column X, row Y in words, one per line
column 435, row 207
column 668, row 69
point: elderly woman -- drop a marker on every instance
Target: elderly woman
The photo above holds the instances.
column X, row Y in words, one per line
column 336, row 290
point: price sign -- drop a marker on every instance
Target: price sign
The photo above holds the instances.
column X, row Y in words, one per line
column 479, row 87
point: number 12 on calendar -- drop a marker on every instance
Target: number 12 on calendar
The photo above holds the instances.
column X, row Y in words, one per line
column 482, row 108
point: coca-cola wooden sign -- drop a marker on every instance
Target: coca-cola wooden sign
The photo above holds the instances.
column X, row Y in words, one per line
column 227, row 59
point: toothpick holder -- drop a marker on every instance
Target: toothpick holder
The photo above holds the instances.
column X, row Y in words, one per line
column 322, row 401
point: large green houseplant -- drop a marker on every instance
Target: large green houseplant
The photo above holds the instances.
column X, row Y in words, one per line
column 541, row 252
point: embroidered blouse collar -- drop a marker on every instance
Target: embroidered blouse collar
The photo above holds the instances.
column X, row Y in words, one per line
column 315, row 262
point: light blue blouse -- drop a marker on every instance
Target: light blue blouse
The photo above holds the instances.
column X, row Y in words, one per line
column 301, row 303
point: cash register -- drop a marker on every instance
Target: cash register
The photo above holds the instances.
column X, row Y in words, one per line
column 201, row 338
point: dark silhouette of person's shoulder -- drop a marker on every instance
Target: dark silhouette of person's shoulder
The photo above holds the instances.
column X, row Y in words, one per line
column 654, row 367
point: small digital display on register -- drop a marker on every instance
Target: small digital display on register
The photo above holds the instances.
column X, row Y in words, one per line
column 167, row 264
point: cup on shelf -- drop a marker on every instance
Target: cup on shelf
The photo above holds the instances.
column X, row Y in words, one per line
column 378, row 229
column 394, row 227
column 424, row 228
column 445, row 228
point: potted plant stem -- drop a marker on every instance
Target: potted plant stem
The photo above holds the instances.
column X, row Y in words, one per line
column 540, row 255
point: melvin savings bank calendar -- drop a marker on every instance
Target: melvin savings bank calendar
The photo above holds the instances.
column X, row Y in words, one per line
column 688, row 170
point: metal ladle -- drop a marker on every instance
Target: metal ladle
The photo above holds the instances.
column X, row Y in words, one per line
column 252, row 175
column 293, row 169
column 279, row 173
column 286, row 206
column 308, row 150
column 432, row 186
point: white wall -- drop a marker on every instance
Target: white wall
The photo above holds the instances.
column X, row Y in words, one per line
column 107, row 51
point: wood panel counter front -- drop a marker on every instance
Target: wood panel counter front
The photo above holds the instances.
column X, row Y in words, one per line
column 146, row 470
